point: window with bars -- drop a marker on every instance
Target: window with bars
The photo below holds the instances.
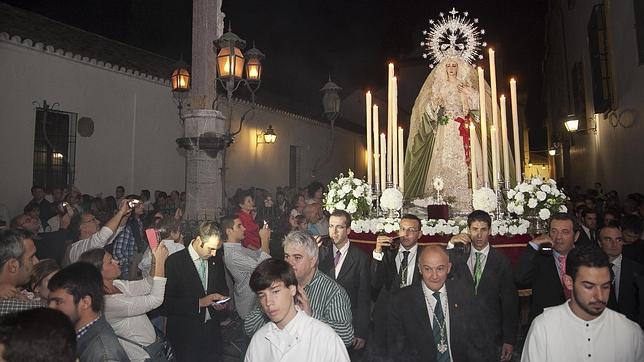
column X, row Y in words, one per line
column 54, row 148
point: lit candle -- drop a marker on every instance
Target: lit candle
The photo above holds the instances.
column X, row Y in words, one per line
column 369, row 158
column 515, row 128
column 394, row 133
column 390, row 118
column 495, row 160
column 482, row 100
column 401, row 162
column 473, row 156
column 504, row 141
column 383, row 165
column 495, row 115
column 376, row 156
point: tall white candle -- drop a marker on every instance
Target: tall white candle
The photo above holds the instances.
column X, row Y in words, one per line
column 369, row 150
column 495, row 159
column 495, row 113
column 376, row 149
column 515, row 129
column 401, row 161
column 473, row 155
column 482, row 100
column 504, row 140
column 390, row 117
column 394, row 129
column 383, row 165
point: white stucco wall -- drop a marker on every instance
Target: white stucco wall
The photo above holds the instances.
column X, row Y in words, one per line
column 135, row 128
column 612, row 155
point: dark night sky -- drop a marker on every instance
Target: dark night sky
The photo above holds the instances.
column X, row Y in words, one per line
column 305, row 40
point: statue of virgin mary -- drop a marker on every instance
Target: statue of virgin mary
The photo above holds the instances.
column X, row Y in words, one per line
column 439, row 138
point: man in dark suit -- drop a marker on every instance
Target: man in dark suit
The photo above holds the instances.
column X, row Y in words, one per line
column 393, row 267
column 429, row 320
column 624, row 293
column 348, row 265
column 542, row 269
column 588, row 232
column 488, row 274
column 196, row 281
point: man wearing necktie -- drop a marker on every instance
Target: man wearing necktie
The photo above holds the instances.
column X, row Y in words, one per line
column 543, row 271
column 488, row 273
column 196, row 281
column 624, row 290
column 349, row 267
column 430, row 320
column 393, row 268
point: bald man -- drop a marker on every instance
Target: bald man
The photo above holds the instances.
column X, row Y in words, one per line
column 428, row 321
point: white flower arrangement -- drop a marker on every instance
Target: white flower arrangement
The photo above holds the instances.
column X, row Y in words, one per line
column 439, row 226
column 391, row 199
column 438, row 183
column 484, row 199
column 536, row 198
column 350, row 194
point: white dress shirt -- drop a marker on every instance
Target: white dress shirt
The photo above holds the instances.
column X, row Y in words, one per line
column 343, row 255
column 559, row 335
column 471, row 261
column 617, row 270
column 302, row 339
column 411, row 261
column 196, row 259
column 430, row 301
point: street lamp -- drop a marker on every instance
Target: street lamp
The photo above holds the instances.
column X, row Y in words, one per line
column 180, row 80
column 268, row 136
column 572, row 125
column 331, row 105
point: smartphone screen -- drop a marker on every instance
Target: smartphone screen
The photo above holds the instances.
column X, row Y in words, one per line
column 153, row 240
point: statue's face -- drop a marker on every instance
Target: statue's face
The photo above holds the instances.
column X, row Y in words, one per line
column 452, row 68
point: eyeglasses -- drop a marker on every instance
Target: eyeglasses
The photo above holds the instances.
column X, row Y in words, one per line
column 337, row 227
column 409, row 230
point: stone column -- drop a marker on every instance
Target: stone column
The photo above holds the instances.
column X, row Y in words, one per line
column 204, row 128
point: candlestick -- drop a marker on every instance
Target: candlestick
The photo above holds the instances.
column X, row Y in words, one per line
column 495, row 160
column 482, row 100
column 495, row 111
column 394, row 133
column 504, row 140
column 383, row 165
column 376, row 156
column 390, row 118
column 401, row 162
column 369, row 157
column 515, row 129
column 473, row 156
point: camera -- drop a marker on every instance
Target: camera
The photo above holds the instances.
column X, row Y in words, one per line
column 461, row 248
column 62, row 207
column 132, row 203
column 395, row 243
column 545, row 248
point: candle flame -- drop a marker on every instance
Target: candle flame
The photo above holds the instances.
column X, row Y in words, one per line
column 512, row 80
column 368, row 92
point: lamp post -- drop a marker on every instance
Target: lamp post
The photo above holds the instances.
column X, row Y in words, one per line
column 331, row 105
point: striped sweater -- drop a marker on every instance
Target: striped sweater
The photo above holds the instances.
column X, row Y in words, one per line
column 329, row 303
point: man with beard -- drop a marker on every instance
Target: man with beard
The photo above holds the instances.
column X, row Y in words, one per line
column 583, row 328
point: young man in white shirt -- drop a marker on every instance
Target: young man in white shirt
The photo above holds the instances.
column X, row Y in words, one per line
column 291, row 335
column 583, row 328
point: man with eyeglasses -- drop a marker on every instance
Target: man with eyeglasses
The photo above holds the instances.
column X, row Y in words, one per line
column 393, row 267
column 542, row 266
column 93, row 236
column 348, row 265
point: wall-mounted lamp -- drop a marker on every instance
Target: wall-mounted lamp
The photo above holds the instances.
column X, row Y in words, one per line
column 267, row 137
column 572, row 125
column 552, row 151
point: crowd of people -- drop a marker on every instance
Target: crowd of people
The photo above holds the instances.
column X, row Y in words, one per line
column 112, row 279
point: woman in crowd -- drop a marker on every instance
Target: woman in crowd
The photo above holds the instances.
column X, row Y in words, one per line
column 127, row 302
column 299, row 202
column 246, row 208
column 40, row 275
column 315, row 191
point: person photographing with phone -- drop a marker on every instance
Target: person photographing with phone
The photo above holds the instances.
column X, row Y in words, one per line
column 487, row 273
column 318, row 295
column 196, row 282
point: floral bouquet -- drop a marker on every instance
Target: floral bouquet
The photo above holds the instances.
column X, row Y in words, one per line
column 484, row 199
column 536, row 198
column 391, row 199
column 350, row 194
